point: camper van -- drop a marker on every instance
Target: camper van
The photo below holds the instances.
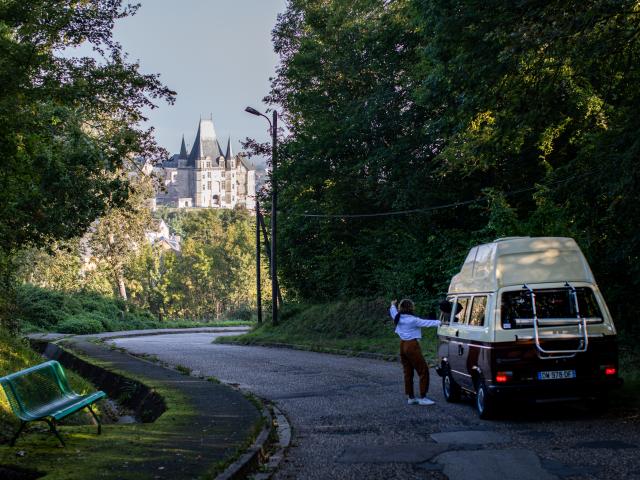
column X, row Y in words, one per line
column 526, row 322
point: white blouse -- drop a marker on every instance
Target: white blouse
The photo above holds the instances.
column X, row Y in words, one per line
column 409, row 326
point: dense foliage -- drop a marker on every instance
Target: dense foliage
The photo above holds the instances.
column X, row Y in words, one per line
column 521, row 114
column 211, row 277
column 40, row 309
column 67, row 122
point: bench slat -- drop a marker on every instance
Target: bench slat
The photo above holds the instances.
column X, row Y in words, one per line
column 78, row 405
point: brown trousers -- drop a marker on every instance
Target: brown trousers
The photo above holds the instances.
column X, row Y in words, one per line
column 412, row 359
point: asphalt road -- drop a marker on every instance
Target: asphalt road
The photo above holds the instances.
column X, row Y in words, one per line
column 350, row 420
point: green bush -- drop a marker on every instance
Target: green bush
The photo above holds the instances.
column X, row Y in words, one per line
column 244, row 314
column 82, row 324
column 39, row 309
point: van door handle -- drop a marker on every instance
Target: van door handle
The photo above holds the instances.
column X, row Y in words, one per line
column 457, row 333
column 460, row 350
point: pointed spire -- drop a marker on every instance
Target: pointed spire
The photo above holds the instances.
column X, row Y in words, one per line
column 183, row 149
column 229, row 150
column 206, row 143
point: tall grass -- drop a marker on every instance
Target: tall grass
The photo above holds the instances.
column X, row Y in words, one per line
column 42, row 310
column 358, row 325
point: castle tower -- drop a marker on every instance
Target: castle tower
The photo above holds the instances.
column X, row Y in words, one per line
column 206, row 175
column 204, row 158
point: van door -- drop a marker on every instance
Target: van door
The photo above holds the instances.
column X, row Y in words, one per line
column 458, row 346
column 445, row 332
column 476, row 334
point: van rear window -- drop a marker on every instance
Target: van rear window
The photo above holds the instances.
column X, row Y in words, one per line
column 550, row 304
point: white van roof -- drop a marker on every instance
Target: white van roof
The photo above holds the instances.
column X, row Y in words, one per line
column 519, row 260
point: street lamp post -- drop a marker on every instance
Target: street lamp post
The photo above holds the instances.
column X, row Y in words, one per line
column 274, row 203
column 258, row 281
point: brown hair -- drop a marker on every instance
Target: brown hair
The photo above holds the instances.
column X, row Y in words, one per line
column 405, row 306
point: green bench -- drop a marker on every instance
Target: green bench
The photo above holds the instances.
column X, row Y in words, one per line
column 42, row 393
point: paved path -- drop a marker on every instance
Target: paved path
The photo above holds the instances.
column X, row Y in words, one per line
column 350, row 420
column 194, row 442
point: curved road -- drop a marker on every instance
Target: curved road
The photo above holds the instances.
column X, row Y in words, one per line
column 350, row 420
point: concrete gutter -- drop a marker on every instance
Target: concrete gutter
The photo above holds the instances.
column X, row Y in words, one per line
column 246, row 464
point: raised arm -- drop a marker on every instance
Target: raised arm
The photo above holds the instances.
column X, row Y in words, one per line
column 393, row 311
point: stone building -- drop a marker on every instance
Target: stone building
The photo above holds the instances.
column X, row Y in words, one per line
column 206, row 176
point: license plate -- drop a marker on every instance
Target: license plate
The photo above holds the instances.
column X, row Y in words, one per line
column 556, row 374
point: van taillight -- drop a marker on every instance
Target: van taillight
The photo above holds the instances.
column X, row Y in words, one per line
column 503, row 377
column 610, row 371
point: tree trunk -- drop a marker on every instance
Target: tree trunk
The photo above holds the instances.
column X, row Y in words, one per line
column 122, row 288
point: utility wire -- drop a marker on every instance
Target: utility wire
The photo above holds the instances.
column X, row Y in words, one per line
column 436, row 207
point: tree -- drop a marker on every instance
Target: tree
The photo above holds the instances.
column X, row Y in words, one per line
column 520, row 116
column 66, row 122
column 118, row 236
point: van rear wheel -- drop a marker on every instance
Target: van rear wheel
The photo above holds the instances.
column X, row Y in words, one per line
column 450, row 388
column 485, row 402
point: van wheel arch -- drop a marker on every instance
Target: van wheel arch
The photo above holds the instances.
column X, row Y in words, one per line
column 476, row 377
column 451, row 391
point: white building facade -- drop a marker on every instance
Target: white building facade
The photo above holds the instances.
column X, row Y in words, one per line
column 206, row 177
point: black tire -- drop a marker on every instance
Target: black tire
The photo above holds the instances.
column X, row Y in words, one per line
column 450, row 389
column 486, row 404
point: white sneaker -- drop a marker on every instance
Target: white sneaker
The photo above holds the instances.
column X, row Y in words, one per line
column 412, row 401
column 425, row 401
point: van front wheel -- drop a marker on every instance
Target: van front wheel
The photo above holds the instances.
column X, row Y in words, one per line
column 485, row 402
column 450, row 388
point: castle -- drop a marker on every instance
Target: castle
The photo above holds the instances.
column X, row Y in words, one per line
column 206, row 177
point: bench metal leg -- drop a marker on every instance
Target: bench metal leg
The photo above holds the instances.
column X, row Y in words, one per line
column 20, row 430
column 95, row 417
column 52, row 427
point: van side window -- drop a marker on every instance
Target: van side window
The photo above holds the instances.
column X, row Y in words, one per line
column 461, row 309
column 478, row 307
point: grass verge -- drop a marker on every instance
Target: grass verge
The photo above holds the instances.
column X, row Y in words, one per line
column 630, row 373
column 16, row 355
column 359, row 326
column 122, row 451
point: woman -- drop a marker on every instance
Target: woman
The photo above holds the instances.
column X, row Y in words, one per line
column 408, row 328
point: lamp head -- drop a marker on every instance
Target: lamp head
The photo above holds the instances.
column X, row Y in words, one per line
column 252, row 111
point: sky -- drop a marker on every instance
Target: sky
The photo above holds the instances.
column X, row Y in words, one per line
column 216, row 54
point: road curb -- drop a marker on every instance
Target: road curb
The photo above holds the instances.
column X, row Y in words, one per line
column 255, row 454
column 250, row 459
column 151, row 333
column 55, row 337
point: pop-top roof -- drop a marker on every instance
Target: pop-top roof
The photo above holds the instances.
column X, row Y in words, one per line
column 520, row 260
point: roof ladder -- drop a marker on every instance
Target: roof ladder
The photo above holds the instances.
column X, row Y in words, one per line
column 582, row 329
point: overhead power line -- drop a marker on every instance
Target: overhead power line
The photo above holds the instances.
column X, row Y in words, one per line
column 435, row 207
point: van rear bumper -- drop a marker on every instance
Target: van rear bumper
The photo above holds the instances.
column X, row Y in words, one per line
column 556, row 389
